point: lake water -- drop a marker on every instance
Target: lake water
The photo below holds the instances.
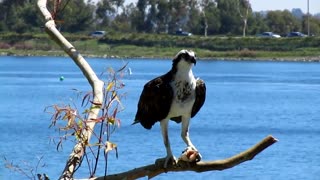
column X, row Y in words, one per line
column 246, row 101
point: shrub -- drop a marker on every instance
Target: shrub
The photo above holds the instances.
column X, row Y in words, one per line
column 247, row 53
column 22, row 46
column 212, row 43
column 4, row 45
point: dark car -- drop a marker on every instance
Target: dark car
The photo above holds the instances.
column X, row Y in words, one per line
column 183, row 33
column 296, row 34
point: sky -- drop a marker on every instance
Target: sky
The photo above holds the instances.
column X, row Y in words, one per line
column 264, row 5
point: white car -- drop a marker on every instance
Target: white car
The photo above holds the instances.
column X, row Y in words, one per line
column 98, row 34
column 269, row 35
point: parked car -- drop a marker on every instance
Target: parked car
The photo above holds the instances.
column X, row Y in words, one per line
column 296, row 34
column 98, row 34
column 183, row 33
column 269, row 35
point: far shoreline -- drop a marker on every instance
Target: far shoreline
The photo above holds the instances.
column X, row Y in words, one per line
column 62, row 54
column 158, row 46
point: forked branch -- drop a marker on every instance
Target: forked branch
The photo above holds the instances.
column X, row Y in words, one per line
column 153, row 170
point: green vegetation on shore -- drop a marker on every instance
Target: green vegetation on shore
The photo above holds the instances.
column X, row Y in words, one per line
column 162, row 46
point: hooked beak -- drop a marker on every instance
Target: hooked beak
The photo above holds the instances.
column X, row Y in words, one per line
column 193, row 60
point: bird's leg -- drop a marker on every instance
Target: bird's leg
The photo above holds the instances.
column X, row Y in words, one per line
column 185, row 137
column 164, row 130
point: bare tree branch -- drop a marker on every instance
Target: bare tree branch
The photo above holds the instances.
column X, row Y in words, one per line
column 153, row 170
column 96, row 84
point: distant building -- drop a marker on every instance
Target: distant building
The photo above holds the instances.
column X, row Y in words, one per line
column 297, row 12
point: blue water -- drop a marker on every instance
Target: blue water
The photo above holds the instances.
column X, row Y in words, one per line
column 246, row 101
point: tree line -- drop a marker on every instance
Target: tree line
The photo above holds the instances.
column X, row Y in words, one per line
column 200, row 17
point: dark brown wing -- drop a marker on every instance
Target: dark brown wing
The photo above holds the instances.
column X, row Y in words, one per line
column 155, row 101
column 200, row 97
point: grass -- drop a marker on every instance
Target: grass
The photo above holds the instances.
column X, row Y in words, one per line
column 151, row 46
column 128, row 51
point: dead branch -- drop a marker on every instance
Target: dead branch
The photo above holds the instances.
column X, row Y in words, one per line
column 153, row 170
column 96, row 84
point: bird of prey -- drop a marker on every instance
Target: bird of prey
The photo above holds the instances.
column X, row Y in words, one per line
column 176, row 95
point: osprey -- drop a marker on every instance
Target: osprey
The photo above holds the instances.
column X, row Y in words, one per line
column 176, row 96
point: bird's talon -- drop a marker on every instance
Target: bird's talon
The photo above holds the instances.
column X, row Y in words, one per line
column 171, row 159
column 191, row 154
column 166, row 162
column 199, row 157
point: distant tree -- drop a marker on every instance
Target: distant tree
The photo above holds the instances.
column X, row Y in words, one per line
column 204, row 21
column 104, row 12
column 229, row 16
column 11, row 3
column 194, row 17
column 151, row 19
column 77, row 16
column 139, row 16
column 4, row 8
column 244, row 8
column 163, row 16
column 290, row 22
column 257, row 23
column 205, row 17
column 122, row 22
column 314, row 25
column 9, row 17
column 30, row 17
column 273, row 20
column 118, row 4
column 282, row 21
column 19, row 16
column 211, row 20
column 179, row 14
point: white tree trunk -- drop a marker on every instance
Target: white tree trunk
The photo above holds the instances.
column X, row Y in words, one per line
column 244, row 17
column 96, row 84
